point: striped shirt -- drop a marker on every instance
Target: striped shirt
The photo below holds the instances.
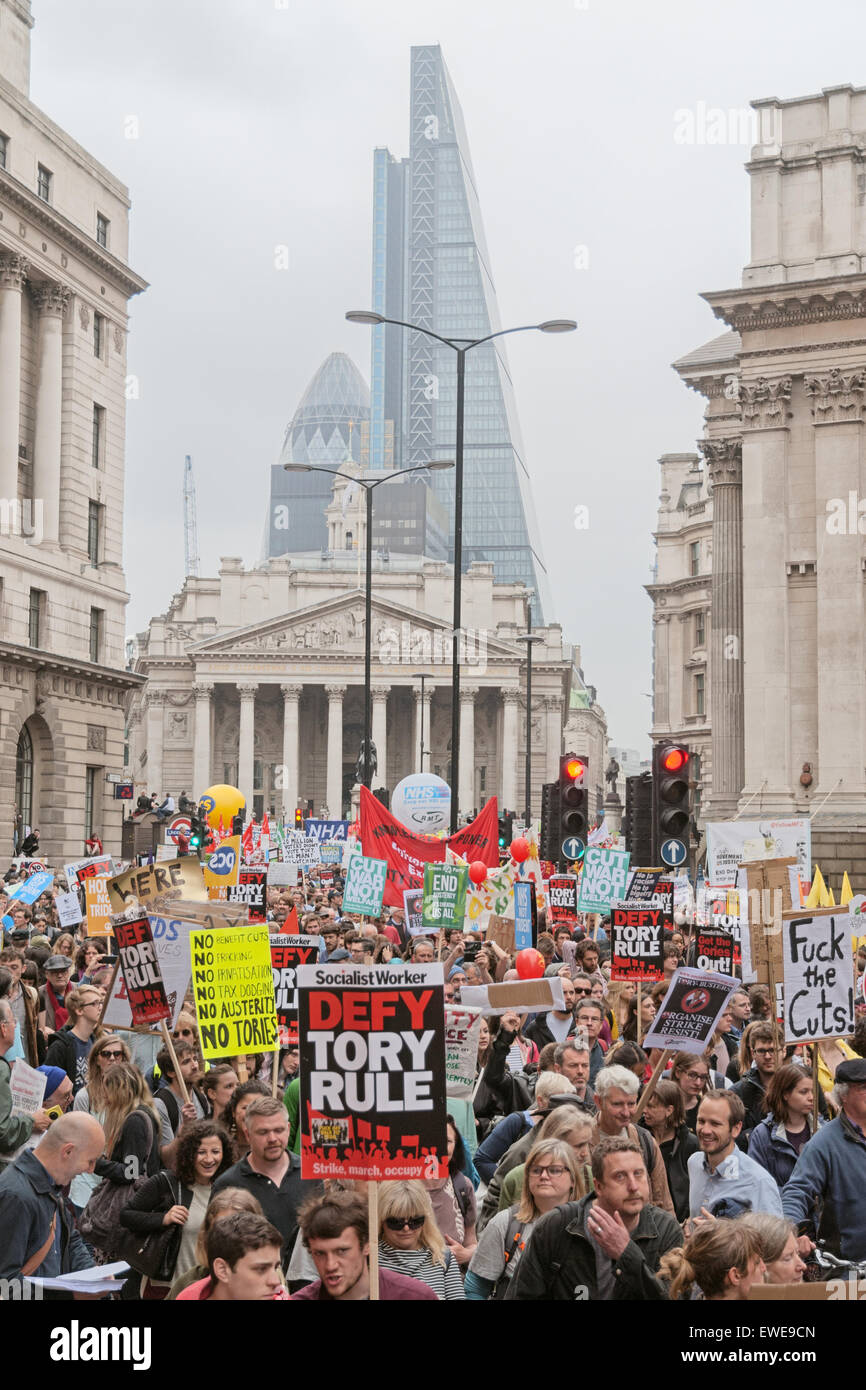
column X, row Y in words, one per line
column 445, row 1280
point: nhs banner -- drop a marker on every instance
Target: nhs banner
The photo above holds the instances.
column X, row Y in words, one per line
column 326, row 830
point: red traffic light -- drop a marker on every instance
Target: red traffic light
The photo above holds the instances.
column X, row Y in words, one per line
column 574, row 768
column 675, row 759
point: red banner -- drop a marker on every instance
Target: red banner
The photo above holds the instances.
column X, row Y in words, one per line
column 383, row 837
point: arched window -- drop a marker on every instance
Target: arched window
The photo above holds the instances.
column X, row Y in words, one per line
column 24, row 778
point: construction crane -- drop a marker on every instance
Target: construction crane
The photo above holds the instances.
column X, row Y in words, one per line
column 190, row 528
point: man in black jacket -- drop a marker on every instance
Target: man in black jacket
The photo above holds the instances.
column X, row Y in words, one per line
column 605, row 1247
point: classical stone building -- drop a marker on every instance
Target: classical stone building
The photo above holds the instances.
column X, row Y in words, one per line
column 256, row 678
column 64, row 290
column 784, row 454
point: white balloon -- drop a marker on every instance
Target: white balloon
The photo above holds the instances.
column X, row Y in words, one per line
column 422, row 802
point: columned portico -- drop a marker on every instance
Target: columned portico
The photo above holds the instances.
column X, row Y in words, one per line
column 201, row 778
column 466, row 791
column 422, row 726
column 246, row 741
column 510, row 701
column 291, row 732
column 13, row 273
column 380, row 734
column 334, row 783
column 724, row 459
column 51, row 301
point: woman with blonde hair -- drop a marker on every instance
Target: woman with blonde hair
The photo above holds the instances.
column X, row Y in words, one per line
column 131, row 1126
column 568, row 1125
column 411, row 1243
column 780, row 1251
column 551, row 1176
column 722, row 1257
column 106, row 1053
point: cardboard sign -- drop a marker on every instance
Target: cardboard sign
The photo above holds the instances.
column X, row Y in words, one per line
column 69, row 912
column 299, row 848
column 222, row 866
column 32, row 888
column 603, row 879
column 372, row 1065
column 515, row 997
column 637, row 943
column 177, row 878
column 462, row 1030
column 412, row 914
column 171, row 939
column 287, row 954
column 99, row 866
column 365, row 885
column 444, row 899
column 233, row 988
column 562, row 891
column 27, row 1086
column 145, row 988
column 819, row 984
column 99, row 908
column 714, row 950
column 282, row 875
column 251, row 889
column 690, row 1010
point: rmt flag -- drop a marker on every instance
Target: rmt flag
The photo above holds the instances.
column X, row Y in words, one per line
column 142, row 976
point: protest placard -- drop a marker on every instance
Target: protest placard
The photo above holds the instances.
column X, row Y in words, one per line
column 714, row 950
column 444, row 899
column 69, row 912
column 171, row 939
column 412, row 915
column 221, row 867
column 251, row 890
column 27, row 1086
column 637, row 943
column 562, row 892
column 515, row 997
column 525, row 915
column 331, row 851
column 98, row 866
column 327, row 831
column 177, row 878
column 99, row 908
column 372, row 1066
column 730, row 843
column 299, row 848
column 651, row 888
column 603, row 878
column 282, row 875
column 819, row 977
column 690, row 1011
column 32, row 888
column 145, row 988
column 365, row 885
column 462, row 1030
column 233, row 988
column 287, row 954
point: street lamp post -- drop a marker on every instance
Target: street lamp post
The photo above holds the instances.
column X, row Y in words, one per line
column 529, row 638
column 421, row 676
column 368, row 596
column 461, row 346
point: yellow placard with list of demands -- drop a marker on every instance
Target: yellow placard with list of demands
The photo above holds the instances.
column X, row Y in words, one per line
column 233, row 987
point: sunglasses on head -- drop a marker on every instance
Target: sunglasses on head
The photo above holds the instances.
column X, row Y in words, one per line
column 398, row 1223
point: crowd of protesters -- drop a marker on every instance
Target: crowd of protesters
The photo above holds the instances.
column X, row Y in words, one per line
column 561, row 1184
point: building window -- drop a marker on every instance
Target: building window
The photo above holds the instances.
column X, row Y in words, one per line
column 700, row 628
column 699, row 694
column 695, row 558
column 24, row 781
column 90, row 788
column 349, row 540
column 36, row 617
column 4, row 150
column 102, row 225
column 98, row 436
column 96, row 616
column 94, row 527
column 98, row 337
column 44, row 179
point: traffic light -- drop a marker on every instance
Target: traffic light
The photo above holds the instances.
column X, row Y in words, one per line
column 671, row 800
column 573, row 805
column 238, row 823
column 506, row 832
column 198, row 832
column 550, row 844
column 638, row 820
column 299, row 818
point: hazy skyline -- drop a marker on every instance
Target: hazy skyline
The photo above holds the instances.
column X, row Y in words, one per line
column 254, row 125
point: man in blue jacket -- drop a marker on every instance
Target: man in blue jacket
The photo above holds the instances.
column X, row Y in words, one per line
column 832, row 1167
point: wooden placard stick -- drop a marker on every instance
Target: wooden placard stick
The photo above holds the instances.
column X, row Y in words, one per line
column 653, row 1081
column 166, row 1037
column 373, row 1224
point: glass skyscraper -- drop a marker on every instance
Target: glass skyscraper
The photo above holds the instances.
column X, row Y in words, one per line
column 431, row 267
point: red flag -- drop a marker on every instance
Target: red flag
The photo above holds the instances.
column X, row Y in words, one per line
column 290, row 926
column 247, row 841
column 383, row 837
column 221, row 832
column 266, row 827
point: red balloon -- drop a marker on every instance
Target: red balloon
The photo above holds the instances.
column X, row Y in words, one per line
column 519, row 850
column 529, row 964
column 478, row 871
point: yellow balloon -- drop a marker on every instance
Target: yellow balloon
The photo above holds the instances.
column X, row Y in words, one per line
column 221, row 800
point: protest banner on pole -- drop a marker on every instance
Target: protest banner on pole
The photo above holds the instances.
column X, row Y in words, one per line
column 462, row 1031
column 562, row 890
column 287, row 954
column 171, row 939
column 525, row 915
column 176, row 878
column 818, row 976
column 145, row 988
column 637, row 943
column 251, row 890
column 99, row 910
column 27, row 1087
column 69, row 912
column 603, row 878
column 407, row 853
column 282, row 875
column 412, row 914
column 221, row 867
column 32, row 888
column 98, row 866
column 714, row 950
column 372, row 1067
column 690, row 1010
column 651, row 888
column 444, row 898
column 233, row 988
column 365, row 885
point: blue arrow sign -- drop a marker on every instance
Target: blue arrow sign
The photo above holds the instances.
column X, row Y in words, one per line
column 673, row 853
column 573, row 847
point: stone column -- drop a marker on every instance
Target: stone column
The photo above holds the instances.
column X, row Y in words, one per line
column 766, row 656
column 203, row 692
column 553, row 744
column 510, row 700
column 246, row 742
column 13, row 273
column 380, row 734
column 724, row 460
column 837, row 413
column 52, row 302
column 291, row 731
column 334, row 782
column 466, row 790
column 662, row 669
column 416, row 732
column 155, row 705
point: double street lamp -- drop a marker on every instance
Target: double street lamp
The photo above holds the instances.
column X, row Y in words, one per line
column 461, row 346
column 368, row 487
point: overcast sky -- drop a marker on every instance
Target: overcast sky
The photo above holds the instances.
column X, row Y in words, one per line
column 256, row 125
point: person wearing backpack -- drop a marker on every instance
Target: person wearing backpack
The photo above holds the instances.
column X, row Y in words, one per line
column 551, row 1176
column 173, row 1112
column 132, row 1144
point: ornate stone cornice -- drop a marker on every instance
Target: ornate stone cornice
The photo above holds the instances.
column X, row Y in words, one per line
column 203, row 690
column 836, row 398
column 51, row 300
column 764, row 402
column 724, row 460
column 787, row 306
column 13, row 271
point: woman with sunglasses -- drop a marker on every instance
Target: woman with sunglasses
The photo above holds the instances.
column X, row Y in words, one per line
column 550, row 1177
column 411, row 1243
